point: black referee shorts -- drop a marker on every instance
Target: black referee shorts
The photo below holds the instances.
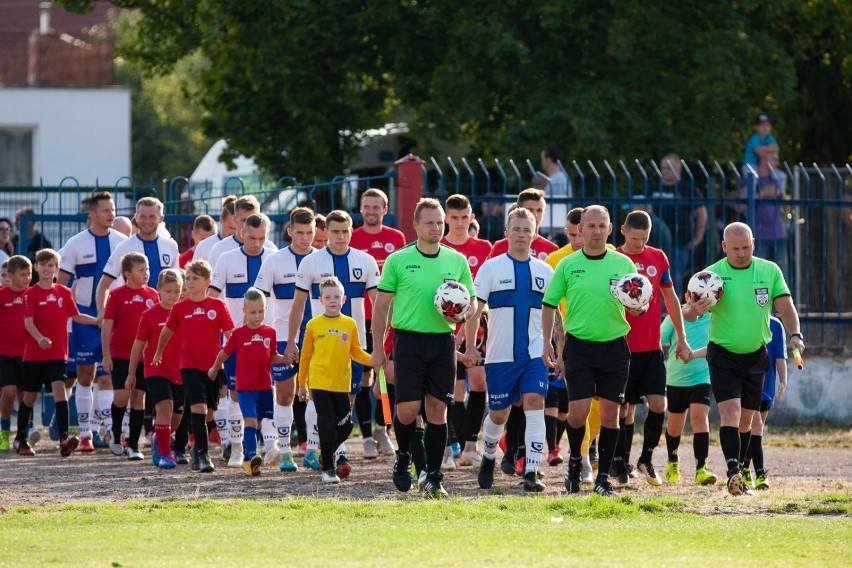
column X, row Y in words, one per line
column 424, row 363
column 596, row 368
column 735, row 375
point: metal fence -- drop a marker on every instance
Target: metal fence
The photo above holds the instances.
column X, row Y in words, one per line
column 810, row 215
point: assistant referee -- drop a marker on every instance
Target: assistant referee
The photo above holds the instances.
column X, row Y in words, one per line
column 423, row 342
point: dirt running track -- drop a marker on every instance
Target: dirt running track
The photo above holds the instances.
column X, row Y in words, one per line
column 49, row 479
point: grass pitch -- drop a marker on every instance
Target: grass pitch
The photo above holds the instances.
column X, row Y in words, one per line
column 806, row 531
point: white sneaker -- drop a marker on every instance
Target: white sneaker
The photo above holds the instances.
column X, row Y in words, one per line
column 587, row 476
column 449, row 463
column 236, row 460
column 134, row 455
column 371, row 450
column 330, row 477
column 386, row 447
column 272, row 456
column 116, row 448
column 471, row 457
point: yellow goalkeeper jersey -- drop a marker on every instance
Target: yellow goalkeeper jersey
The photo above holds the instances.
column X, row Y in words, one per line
column 329, row 346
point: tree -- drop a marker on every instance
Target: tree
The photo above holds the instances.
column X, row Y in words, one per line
column 292, row 83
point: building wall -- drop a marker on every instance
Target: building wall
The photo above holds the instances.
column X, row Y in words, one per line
column 84, row 133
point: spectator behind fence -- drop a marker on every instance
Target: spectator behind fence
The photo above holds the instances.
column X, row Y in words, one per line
column 7, row 249
column 760, row 146
column 556, row 188
column 770, row 231
column 36, row 241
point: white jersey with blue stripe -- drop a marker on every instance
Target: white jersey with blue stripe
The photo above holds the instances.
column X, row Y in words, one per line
column 356, row 270
column 161, row 253
column 232, row 243
column 234, row 274
column 205, row 247
column 277, row 278
column 84, row 257
column 513, row 290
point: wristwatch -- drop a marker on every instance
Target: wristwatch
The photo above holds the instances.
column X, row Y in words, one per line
column 802, row 337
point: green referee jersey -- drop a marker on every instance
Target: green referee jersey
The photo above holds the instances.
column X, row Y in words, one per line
column 739, row 322
column 413, row 278
column 587, row 285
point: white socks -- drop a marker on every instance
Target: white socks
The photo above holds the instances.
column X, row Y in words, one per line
column 534, row 439
column 491, row 433
column 311, row 426
column 235, row 425
column 103, row 408
column 221, row 419
column 84, row 410
column 284, row 425
column 269, row 435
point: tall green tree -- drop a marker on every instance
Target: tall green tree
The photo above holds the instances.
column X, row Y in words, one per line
column 293, row 82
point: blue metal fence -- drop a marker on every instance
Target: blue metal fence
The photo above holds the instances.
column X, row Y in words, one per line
column 813, row 212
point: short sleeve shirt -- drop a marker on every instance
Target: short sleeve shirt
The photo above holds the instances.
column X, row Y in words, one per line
column 696, row 372
column 277, row 277
column 476, row 251
column 13, row 334
column 645, row 329
column 50, row 310
column 84, row 256
column 151, row 324
column 255, row 348
column 161, row 253
column 379, row 246
column 125, row 307
column 202, row 324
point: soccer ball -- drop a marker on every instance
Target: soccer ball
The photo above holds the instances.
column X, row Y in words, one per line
column 633, row 290
column 452, row 301
column 706, row 284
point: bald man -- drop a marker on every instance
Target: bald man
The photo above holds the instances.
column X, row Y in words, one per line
column 122, row 225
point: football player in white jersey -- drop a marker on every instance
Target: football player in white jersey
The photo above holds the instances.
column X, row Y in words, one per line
column 513, row 285
column 227, row 227
column 84, row 257
column 235, row 272
column 278, row 278
column 243, row 207
column 359, row 274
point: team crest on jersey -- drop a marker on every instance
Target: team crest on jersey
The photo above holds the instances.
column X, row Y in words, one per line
column 167, row 258
column 266, row 343
column 18, row 300
column 211, row 314
column 389, row 247
column 542, row 256
column 652, row 271
column 472, row 261
column 357, row 273
column 136, row 298
column 539, row 282
column 198, row 312
column 762, row 296
column 51, row 298
column 59, row 302
column 149, row 303
column 344, row 337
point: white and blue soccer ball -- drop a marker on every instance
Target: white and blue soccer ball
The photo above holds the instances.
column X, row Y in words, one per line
column 633, row 290
column 452, row 301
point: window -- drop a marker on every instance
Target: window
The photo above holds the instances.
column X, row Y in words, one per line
column 16, row 157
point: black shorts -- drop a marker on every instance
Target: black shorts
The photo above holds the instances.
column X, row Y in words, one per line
column 647, row 375
column 735, row 375
column 557, row 397
column 424, row 363
column 120, row 369
column 199, row 389
column 39, row 374
column 681, row 397
column 160, row 389
column 11, row 371
column 596, row 368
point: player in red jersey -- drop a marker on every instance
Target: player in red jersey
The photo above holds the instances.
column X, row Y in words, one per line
column 124, row 308
column 466, row 419
column 533, row 201
column 165, row 386
column 647, row 373
column 47, row 307
column 379, row 241
column 203, row 319
column 13, row 335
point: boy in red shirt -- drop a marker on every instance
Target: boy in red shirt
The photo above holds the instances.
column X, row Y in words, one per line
column 47, row 307
column 165, row 387
column 18, row 270
column 123, row 311
column 203, row 320
column 257, row 349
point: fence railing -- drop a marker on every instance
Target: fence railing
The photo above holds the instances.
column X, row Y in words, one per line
column 804, row 223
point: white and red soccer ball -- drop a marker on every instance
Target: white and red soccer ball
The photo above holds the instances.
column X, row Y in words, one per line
column 633, row 290
column 706, row 284
column 452, row 301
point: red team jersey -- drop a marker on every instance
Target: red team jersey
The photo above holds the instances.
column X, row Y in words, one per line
column 202, row 323
column 151, row 324
column 540, row 248
column 125, row 306
column 379, row 246
column 12, row 322
column 474, row 250
column 255, row 348
column 644, row 332
column 50, row 310
column 186, row 257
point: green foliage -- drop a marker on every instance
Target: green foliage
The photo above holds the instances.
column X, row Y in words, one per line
column 291, row 82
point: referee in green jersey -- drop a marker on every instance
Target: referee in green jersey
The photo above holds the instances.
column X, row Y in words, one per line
column 739, row 334
column 595, row 355
column 424, row 352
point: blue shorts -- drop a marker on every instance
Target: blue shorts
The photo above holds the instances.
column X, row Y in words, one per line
column 256, row 404
column 280, row 371
column 507, row 381
column 231, row 371
column 767, row 397
column 357, row 373
column 86, row 344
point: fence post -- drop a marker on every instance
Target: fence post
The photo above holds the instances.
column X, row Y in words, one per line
column 409, row 173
